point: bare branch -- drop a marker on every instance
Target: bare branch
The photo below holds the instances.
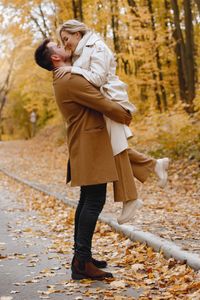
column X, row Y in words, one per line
column 44, row 21
column 38, row 26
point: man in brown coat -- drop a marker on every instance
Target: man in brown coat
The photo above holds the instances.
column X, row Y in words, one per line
column 92, row 164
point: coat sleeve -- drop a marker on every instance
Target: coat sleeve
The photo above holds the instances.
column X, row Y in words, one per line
column 82, row 92
column 99, row 66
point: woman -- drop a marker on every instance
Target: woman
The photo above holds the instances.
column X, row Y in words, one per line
column 92, row 59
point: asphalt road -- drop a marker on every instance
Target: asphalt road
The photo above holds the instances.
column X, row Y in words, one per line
column 28, row 271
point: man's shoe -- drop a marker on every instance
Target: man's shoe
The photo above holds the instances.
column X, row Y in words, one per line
column 101, row 264
column 129, row 210
column 87, row 270
column 161, row 170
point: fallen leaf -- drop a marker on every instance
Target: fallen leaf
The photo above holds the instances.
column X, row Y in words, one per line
column 14, row 292
column 137, row 267
column 118, row 284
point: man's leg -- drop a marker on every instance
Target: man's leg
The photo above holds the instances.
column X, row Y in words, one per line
column 97, row 263
column 94, row 200
column 77, row 214
column 95, row 196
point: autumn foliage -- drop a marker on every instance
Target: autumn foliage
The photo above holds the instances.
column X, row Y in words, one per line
column 157, row 51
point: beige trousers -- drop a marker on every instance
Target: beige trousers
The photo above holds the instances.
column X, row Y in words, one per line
column 131, row 164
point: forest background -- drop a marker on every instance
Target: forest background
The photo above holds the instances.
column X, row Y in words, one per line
column 157, row 48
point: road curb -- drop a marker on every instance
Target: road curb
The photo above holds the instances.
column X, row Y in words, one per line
column 169, row 249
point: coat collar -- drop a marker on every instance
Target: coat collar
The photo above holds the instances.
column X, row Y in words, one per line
column 89, row 39
column 93, row 39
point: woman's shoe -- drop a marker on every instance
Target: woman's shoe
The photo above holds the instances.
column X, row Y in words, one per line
column 128, row 211
column 87, row 270
column 161, row 170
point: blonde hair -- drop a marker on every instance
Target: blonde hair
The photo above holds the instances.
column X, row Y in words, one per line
column 73, row 26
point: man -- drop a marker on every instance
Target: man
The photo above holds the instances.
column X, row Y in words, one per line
column 92, row 164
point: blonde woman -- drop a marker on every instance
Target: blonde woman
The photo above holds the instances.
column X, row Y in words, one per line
column 92, row 59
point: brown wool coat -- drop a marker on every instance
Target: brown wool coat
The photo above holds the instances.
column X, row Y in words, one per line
column 90, row 152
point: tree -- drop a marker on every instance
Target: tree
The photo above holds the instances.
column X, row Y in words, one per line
column 158, row 83
column 156, row 45
column 78, row 9
column 185, row 54
column 4, row 90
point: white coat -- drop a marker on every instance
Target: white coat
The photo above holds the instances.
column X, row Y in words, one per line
column 95, row 61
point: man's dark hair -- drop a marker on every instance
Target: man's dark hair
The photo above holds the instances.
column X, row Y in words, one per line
column 43, row 55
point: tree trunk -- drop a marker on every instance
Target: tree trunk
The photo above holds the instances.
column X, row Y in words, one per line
column 77, row 7
column 189, row 37
column 3, row 93
column 181, row 77
column 137, row 64
column 158, row 63
column 168, row 42
column 185, row 54
column 180, row 52
column 198, row 5
column 114, row 7
column 115, row 24
column 3, row 102
column 134, row 9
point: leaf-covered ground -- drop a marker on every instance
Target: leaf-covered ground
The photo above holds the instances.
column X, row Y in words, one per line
column 172, row 213
column 45, row 223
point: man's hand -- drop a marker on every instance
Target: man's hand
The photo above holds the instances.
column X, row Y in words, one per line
column 87, row 95
column 61, row 71
column 128, row 118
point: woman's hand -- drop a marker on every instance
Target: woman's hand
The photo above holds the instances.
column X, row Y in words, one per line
column 61, row 71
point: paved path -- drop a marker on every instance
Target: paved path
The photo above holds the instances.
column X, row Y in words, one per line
column 28, row 270
column 168, row 248
column 165, row 213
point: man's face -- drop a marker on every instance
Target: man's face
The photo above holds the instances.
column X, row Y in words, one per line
column 58, row 50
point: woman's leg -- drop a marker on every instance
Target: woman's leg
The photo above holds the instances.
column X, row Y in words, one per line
column 125, row 188
column 142, row 165
column 131, row 164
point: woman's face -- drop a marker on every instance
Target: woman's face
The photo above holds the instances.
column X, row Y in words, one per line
column 70, row 40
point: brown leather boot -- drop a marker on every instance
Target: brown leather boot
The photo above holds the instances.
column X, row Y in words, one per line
column 83, row 270
column 101, row 264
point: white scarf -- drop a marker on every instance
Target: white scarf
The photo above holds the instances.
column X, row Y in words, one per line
column 82, row 43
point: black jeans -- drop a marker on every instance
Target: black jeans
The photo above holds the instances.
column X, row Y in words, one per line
column 92, row 200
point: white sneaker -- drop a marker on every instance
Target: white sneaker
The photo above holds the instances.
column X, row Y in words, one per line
column 128, row 211
column 161, row 170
